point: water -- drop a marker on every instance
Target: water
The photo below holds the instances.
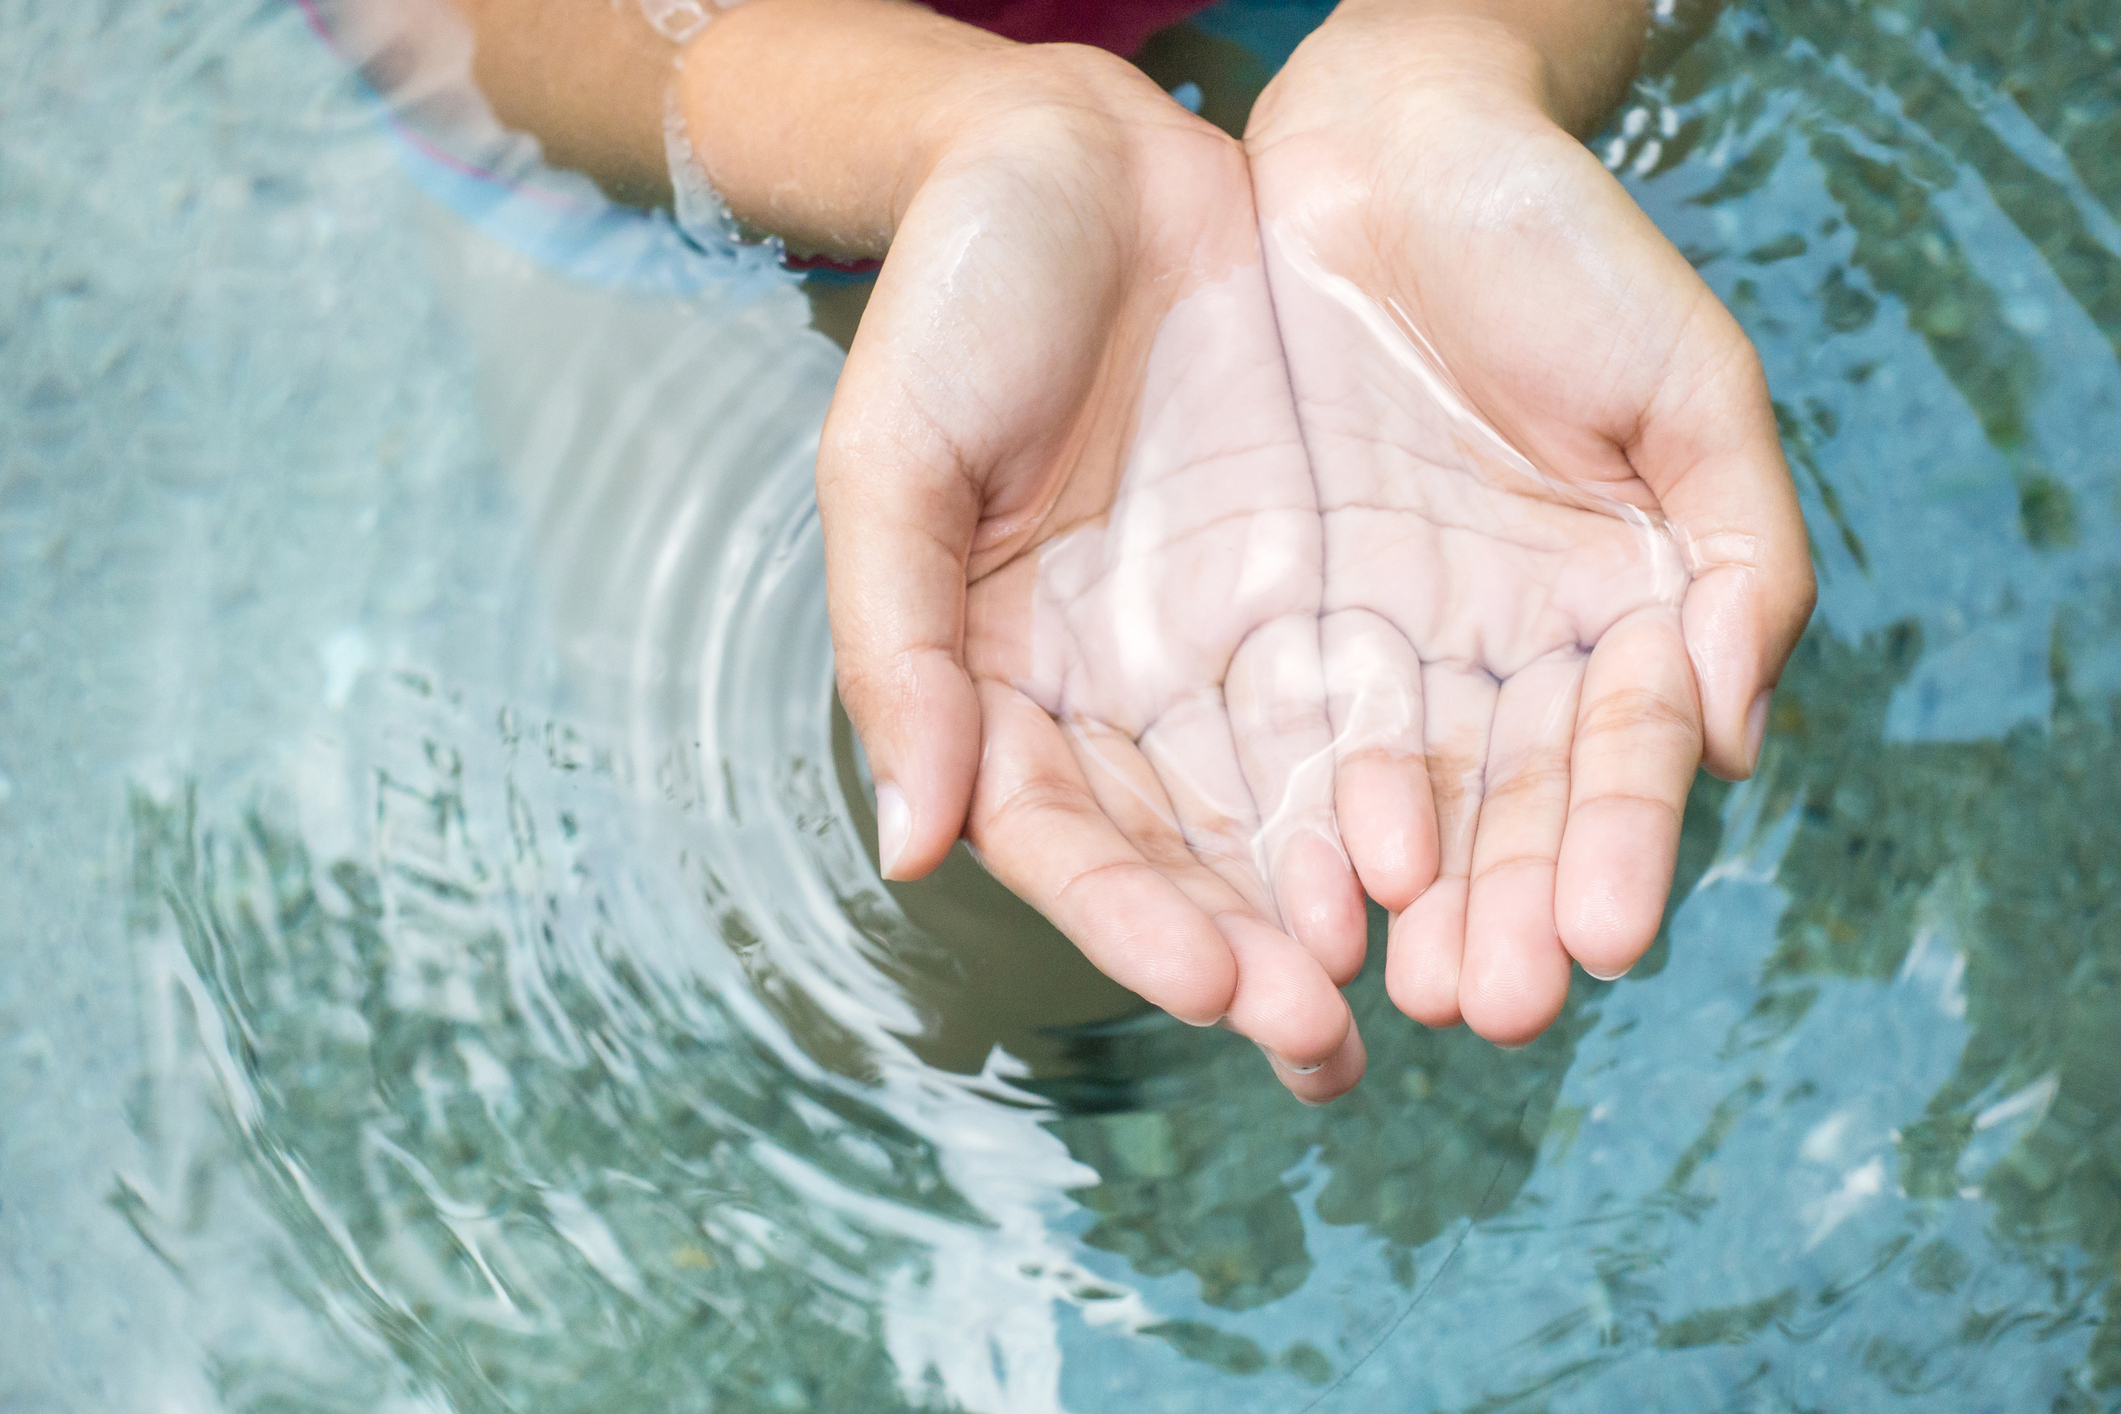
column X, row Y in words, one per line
column 444, row 969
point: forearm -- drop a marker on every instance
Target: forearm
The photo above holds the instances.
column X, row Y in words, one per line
column 588, row 80
column 815, row 120
column 819, row 120
column 811, row 117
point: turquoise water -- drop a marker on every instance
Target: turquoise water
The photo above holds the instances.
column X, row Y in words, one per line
column 444, row 970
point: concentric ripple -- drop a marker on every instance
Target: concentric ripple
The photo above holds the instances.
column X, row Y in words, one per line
column 446, row 969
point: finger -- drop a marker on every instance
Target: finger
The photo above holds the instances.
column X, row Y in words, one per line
column 898, row 516
column 1275, row 692
column 1428, row 939
column 1038, row 830
column 1283, row 999
column 1195, row 758
column 1016, row 631
column 1381, row 796
column 1126, row 787
column 1516, row 973
column 1638, row 740
column 1330, row 1079
column 1710, row 450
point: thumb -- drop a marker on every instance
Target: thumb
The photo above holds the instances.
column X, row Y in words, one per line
column 1711, row 452
column 899, row 515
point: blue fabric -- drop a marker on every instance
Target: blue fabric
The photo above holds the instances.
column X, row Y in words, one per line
column 566, row 225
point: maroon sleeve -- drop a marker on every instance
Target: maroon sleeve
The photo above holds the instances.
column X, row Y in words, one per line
column 1117, row 25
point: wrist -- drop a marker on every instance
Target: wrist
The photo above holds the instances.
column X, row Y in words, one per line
column 1559, row 62
column 1056, row 108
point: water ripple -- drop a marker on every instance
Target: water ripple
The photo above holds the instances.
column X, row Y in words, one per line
column 522, row 1024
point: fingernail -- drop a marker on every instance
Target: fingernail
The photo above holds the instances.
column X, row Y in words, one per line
column 1756, row 726
column 1593, row 972
column 894, row 822
column 1294, row 1069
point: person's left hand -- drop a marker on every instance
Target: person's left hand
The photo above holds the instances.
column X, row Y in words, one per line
column 1552, row 490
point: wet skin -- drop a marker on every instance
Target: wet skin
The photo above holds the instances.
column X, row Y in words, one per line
column 1519, row 679
column 1552, row 487
column 984, row 426
column 1557, row 564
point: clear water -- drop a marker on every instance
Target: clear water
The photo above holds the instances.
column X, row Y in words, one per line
column 442, row 967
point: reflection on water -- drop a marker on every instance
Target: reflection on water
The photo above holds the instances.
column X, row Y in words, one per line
column 452, row 971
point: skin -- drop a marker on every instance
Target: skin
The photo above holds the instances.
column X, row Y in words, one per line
column 1065, row 424
column 1587, row 544
column 1044, row 209
column 1154, row 670
column 987, row 412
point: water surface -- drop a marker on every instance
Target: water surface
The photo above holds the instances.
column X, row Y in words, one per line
column 445, row 969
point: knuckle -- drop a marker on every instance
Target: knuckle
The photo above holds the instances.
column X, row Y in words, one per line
column 1493, row 870
column 1604, row 799
column 876, row 683
column 1094, row 874
column 1013, row 804
column 1533, row 774
column 1639, row 710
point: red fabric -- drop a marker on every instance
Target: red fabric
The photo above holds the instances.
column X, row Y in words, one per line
column 1117, row 25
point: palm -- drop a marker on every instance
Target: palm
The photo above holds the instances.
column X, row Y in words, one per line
column 1174, row 637
column 1129, row 526
column 1482, row 342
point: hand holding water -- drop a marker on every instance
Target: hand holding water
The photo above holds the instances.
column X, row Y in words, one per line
column 1046, row 210
column 1154, row 636
column 1551, row 488
column 1559, row 564
column 1073, row 551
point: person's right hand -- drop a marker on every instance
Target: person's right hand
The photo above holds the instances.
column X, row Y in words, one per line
column 1064, row 422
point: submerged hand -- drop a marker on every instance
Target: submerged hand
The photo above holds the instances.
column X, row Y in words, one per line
column 1065, row 500
column 1552, row 491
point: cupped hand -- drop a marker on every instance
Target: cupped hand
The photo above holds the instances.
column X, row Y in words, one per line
column 1073, row 552
column 1552, row 494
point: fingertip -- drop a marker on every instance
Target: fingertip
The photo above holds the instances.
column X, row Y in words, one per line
column 1739, row 634
column 1737, row 763
column 1610, row 888
column 1514, row 994
column 1202, row 999
column 912, row 842
column 1145, row 934
column 1389, row 827
column 1756, row 718
column 894, row 826
column 920, row 726
column 1329, row 1079
column 1283, row 999
column 1724, row 765
column 1515, row 977
column 1425, row 953
column 1190, row 971
column 1322, row 904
